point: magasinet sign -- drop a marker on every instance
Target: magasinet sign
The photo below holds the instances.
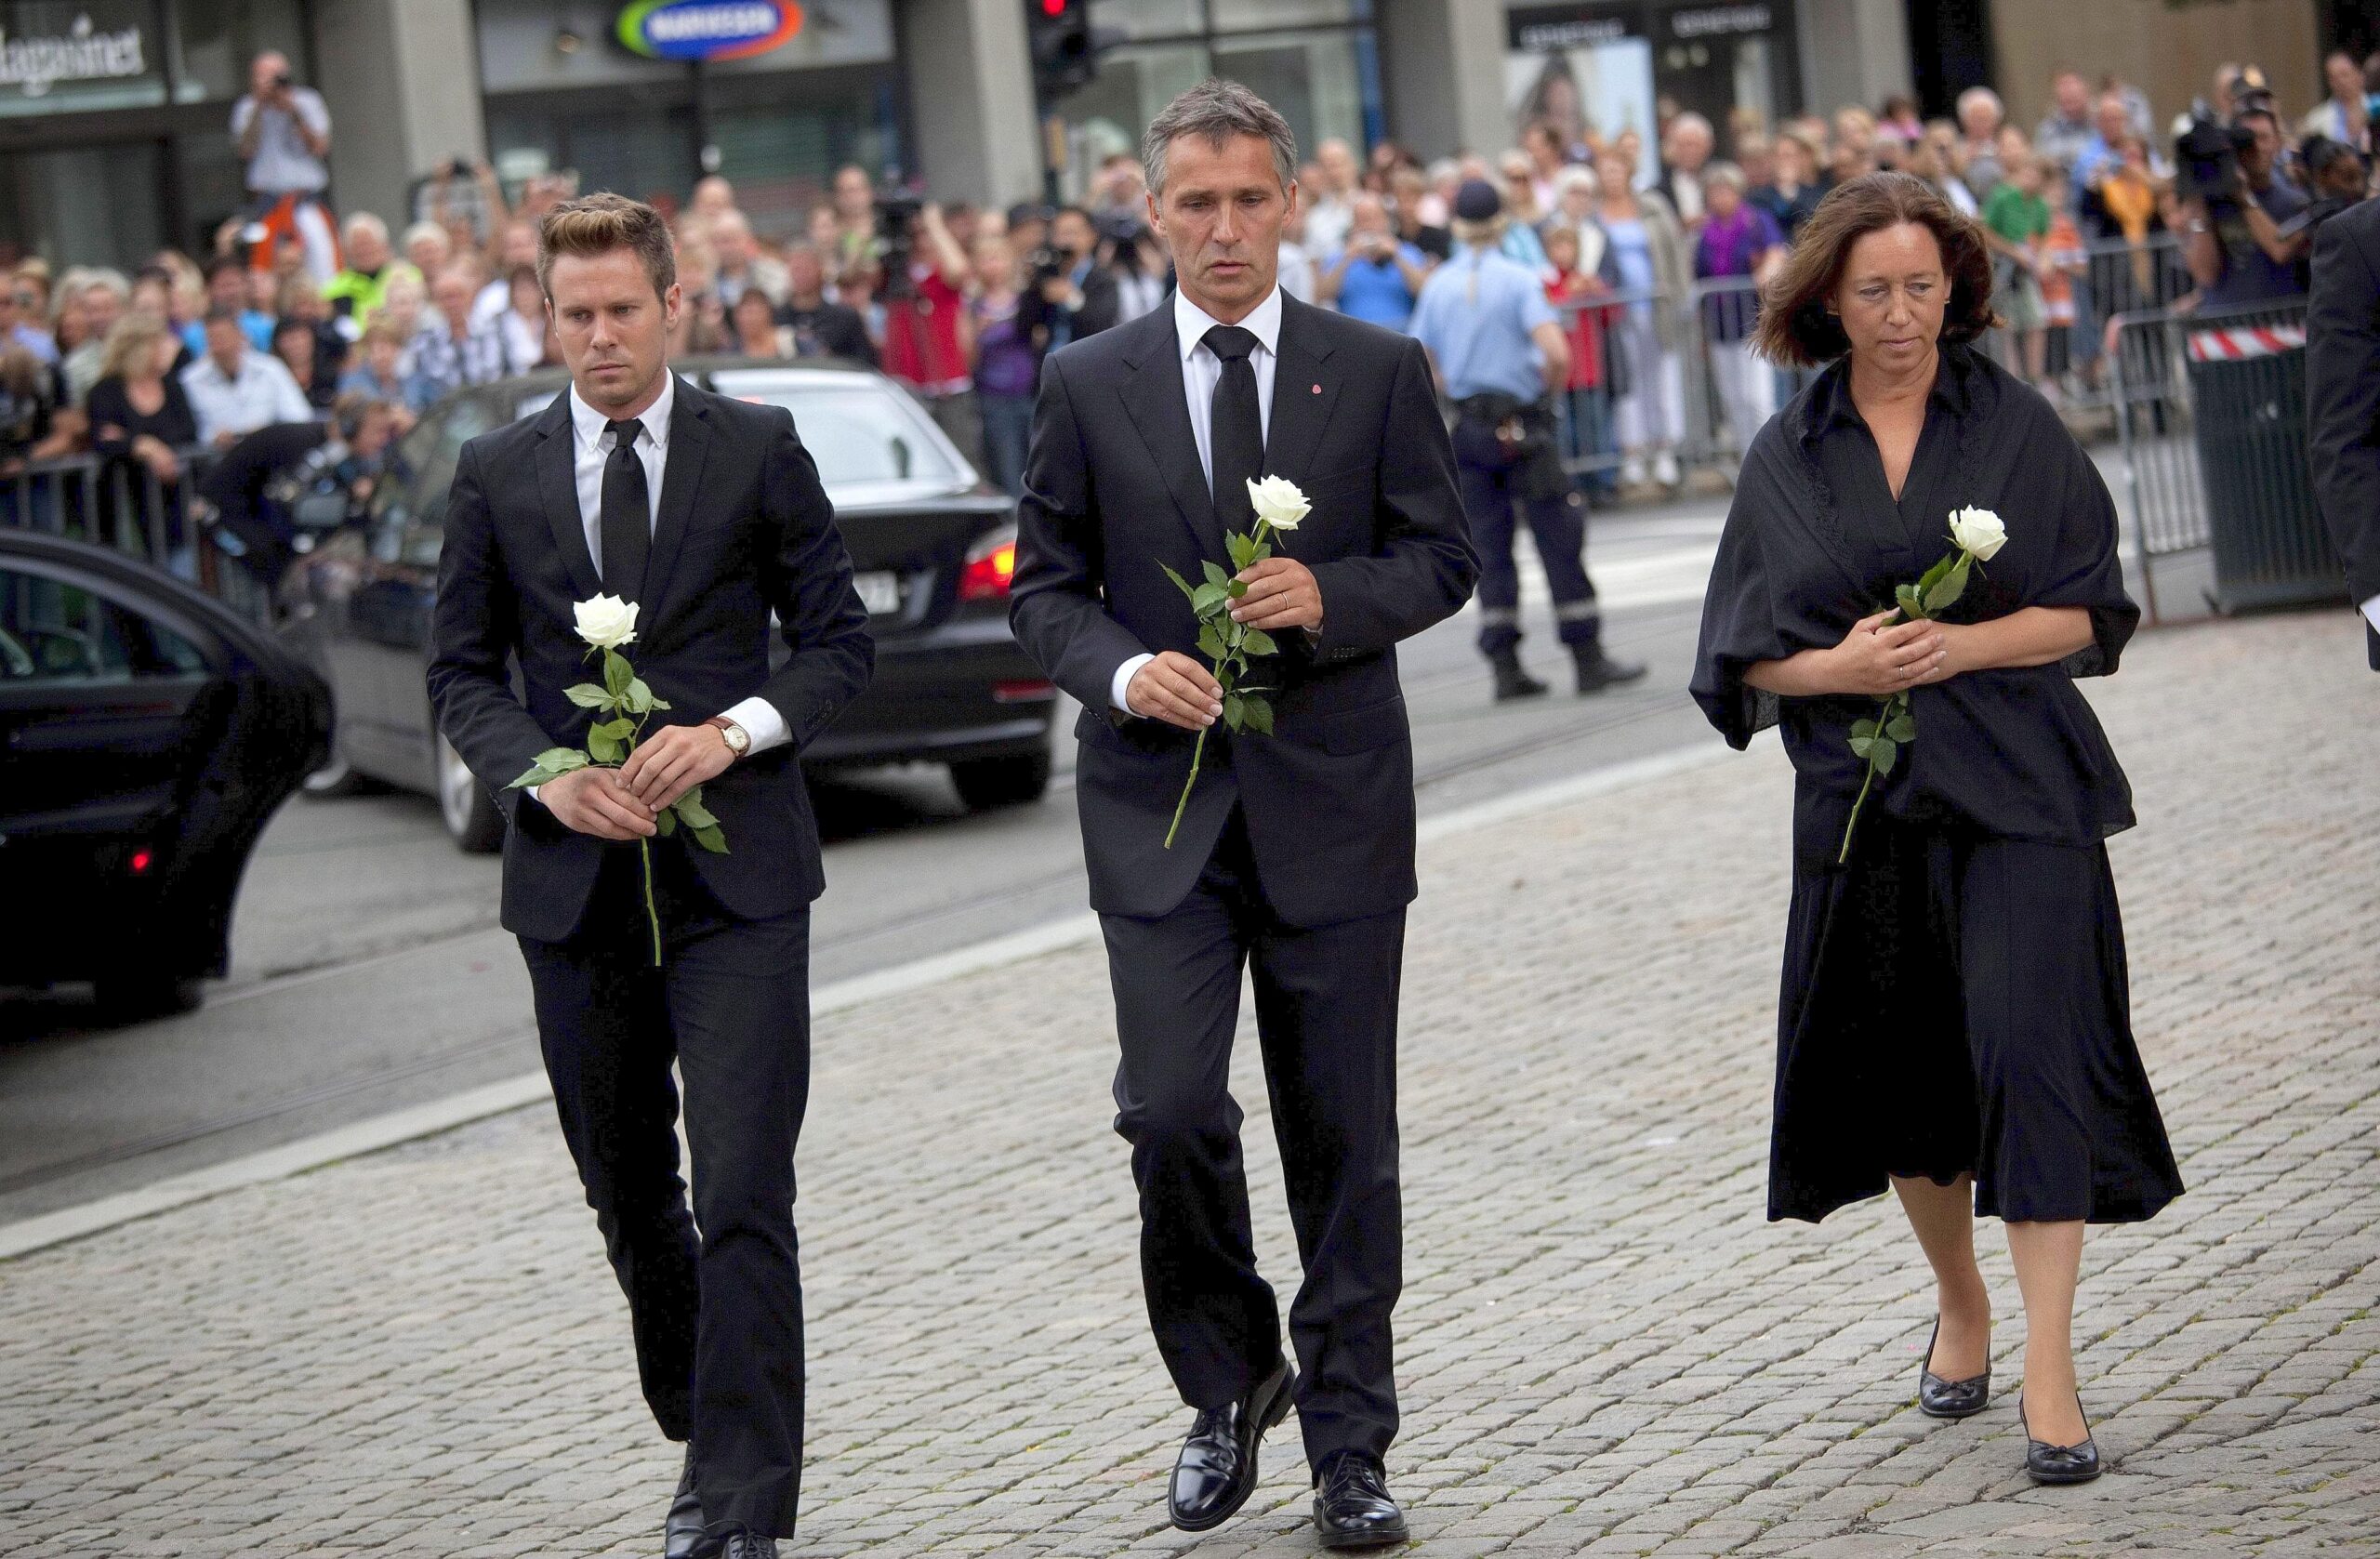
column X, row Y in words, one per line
column 707, row 28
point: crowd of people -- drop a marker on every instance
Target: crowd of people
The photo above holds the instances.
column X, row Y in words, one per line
column 302, row 315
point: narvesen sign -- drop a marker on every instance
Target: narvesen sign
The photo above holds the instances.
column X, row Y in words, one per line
column 707, row 28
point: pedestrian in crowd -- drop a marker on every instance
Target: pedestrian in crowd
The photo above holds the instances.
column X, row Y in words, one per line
column 1655, row 265
column 701, row 324
column 753, row 330
column 1792, row 191
column 2343, row 400
column 1855, row 150
column 361, row 289
column 1926, row 158
column 284, row 134
column 1376, row 277
column 1980, row 115
column 923, row 312
column 24, row 323
column 2111, row 126
column 430, row 249
column 450, row 351
column 103, row 297
column 1501, row 357
column 2341, row 116
column 712, row 198
column 2233, row 243
column 2067, row 128
column 346, row 464
column 227, row 288
column 301, row 300
column 821, row 327
column 1328, row 199
column 857, row 290
column 1142, row 269
column 2065, row 268
column 1077, row 296
column 1007, row 363
column 235, row 389
column 715, row 1319
column 1576, row 279
column 1898, row 126
column 1687, row 146
column 140, row 418
column 375, row 370
column 740, row 263
column 403, row 304
column 1548, row 154
column 527, row 332
column 1756, row 159
column 2015, row 224
column 515, row 250
column 1739, row 243
column 1954, row 1021
column 1522, row 214
column 855, row 237
column 293, row 344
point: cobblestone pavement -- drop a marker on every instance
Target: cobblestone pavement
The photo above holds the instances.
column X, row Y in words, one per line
column 1604, row 1348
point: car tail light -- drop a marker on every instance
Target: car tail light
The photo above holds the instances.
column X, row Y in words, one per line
column 141, row 862
column 991, row 567
column 1022, row 692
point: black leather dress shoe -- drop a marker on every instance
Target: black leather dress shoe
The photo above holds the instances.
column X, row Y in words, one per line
column 745, row 1545
column 1216, row 1471
column 1351, row 1504
column 2053, row 1464
column 681, row 1534
column 1938, row 1398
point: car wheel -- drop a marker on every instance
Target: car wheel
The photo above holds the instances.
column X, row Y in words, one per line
column 471, row 816
column 335, row 778
column 134, row 998
column 987, row 782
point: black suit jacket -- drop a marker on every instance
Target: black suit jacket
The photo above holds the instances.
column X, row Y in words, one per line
column 1114, row 489
column 744, row 530
column 2343, row 394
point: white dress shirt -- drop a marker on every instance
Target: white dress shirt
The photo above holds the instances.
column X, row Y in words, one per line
column 2372, row 613
column 262, row 394
column 591, row 451
column 1202, row 369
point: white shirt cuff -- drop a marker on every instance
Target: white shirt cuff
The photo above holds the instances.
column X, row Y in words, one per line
column 1124, row 675
column 761, row 722
column 2372, row 613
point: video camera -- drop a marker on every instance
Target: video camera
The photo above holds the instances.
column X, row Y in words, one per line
column 896, row 209
column 2206, row 160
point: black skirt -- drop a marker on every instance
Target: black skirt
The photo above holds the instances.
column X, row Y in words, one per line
column 1958, row 1004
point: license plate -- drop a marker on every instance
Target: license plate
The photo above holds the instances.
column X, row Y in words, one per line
column 880, row 593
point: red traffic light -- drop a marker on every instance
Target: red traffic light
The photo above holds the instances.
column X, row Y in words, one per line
column 1053, row 10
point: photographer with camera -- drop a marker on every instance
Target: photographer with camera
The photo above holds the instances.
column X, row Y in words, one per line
column 926, row 276
column 2233, row 205
column 1076, row 293
column 283, row 132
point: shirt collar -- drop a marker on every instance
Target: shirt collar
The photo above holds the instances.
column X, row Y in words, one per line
column 1192, row 322
column 1834, row 407
column 589, row 422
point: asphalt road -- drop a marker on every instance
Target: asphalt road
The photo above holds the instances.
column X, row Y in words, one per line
column 368, row 972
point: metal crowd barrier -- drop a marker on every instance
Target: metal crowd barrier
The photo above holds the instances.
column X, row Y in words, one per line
column 118, row 502
column 1677, row 390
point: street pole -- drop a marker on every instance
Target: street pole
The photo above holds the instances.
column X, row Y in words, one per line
column 705, row 154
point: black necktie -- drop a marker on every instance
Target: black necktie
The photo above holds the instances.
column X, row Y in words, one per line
column 628, row 514
column 1235, row 436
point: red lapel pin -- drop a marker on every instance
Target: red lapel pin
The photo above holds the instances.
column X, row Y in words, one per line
column 1317, row 389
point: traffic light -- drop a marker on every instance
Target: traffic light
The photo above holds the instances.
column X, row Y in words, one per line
column 1063, row 54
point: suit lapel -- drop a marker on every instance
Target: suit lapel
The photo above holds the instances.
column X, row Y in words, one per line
column 1303, row 394
column 558, row 494
column 681, row 476
column 1160, row 411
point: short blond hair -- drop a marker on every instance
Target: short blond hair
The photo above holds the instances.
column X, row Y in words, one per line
column 126, row 339
column 597, row 225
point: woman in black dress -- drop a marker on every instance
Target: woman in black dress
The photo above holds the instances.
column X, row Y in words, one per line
column 141, row 422
column 1954, row 1020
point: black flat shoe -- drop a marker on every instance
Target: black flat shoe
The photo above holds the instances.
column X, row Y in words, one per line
column 681, row 1530
column 1938, row 1398
column 1216, row 1472
column 2045, row 1463
column 1598, row 671
column 1351, row 1508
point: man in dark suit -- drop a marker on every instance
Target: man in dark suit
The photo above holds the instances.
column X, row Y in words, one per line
column 1296, row 852
column 2343, row 399
column 706, row 512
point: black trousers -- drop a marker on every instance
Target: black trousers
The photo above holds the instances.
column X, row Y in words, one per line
column 1492, row 498
column 1326, row 1015
column 714, row 1296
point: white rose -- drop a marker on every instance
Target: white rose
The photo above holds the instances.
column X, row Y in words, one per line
column 1277, row 502
column 1977, row 531
column 606, row 622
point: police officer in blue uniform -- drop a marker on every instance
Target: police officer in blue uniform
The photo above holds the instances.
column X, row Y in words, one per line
column 1500, row 354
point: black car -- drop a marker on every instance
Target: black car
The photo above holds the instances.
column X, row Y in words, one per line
column 933, row 549
column 146, row 735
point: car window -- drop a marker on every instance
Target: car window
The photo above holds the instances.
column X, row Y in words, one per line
column 859, row 431
column 432, row 464
column 52, row 632
column 532, row 403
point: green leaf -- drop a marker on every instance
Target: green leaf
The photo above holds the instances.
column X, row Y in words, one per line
column 1211, row 643
column 1226, row 675
column 1264, row 551
column 638, row 698
column 587, row 696
column 603, row 745
column 1239, row 588
column 1912, row 603
column 1947, row 589
column 1215, row 576
column 1258, row 714
column 1885, row 755
column 1209, row 601
column 665, row 822
column 1903, row 729
column 710, row 839
column 1242, row 550
column 1182, row 584
column 690, row 807
column 1862, row 745
column 617, row 674
column 1235, row 710
column 1863, row 728
column 1935, row 574
column 1259, row 642
column 552, row 763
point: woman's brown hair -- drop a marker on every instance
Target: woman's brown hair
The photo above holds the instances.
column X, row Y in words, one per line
column 1796, row 327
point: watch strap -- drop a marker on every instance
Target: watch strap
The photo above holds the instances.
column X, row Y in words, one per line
column 724, row 726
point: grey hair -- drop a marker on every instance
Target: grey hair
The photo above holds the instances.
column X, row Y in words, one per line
column 1981, row 95
column 1725, row 173
column 1217, row 110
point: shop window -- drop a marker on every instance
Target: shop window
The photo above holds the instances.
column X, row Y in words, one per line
column 217, row 41
column 1312, row 78
column 1135, row 82
column 1247, row 16
column 47, row 205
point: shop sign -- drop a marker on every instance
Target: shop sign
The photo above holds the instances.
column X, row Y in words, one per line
column 1547, row 29
column 707, row 28
column 1717, row 21
column 33, row 63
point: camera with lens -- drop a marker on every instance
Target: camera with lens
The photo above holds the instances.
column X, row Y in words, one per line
column 896, row 210
column 2206, row 160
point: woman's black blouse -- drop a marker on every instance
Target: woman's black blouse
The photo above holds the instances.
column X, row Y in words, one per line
column 172, row 423
column 1816, row 541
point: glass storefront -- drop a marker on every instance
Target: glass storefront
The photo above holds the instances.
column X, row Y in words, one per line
column 1611, row 65
column 1316, row 61
column 561, row 95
